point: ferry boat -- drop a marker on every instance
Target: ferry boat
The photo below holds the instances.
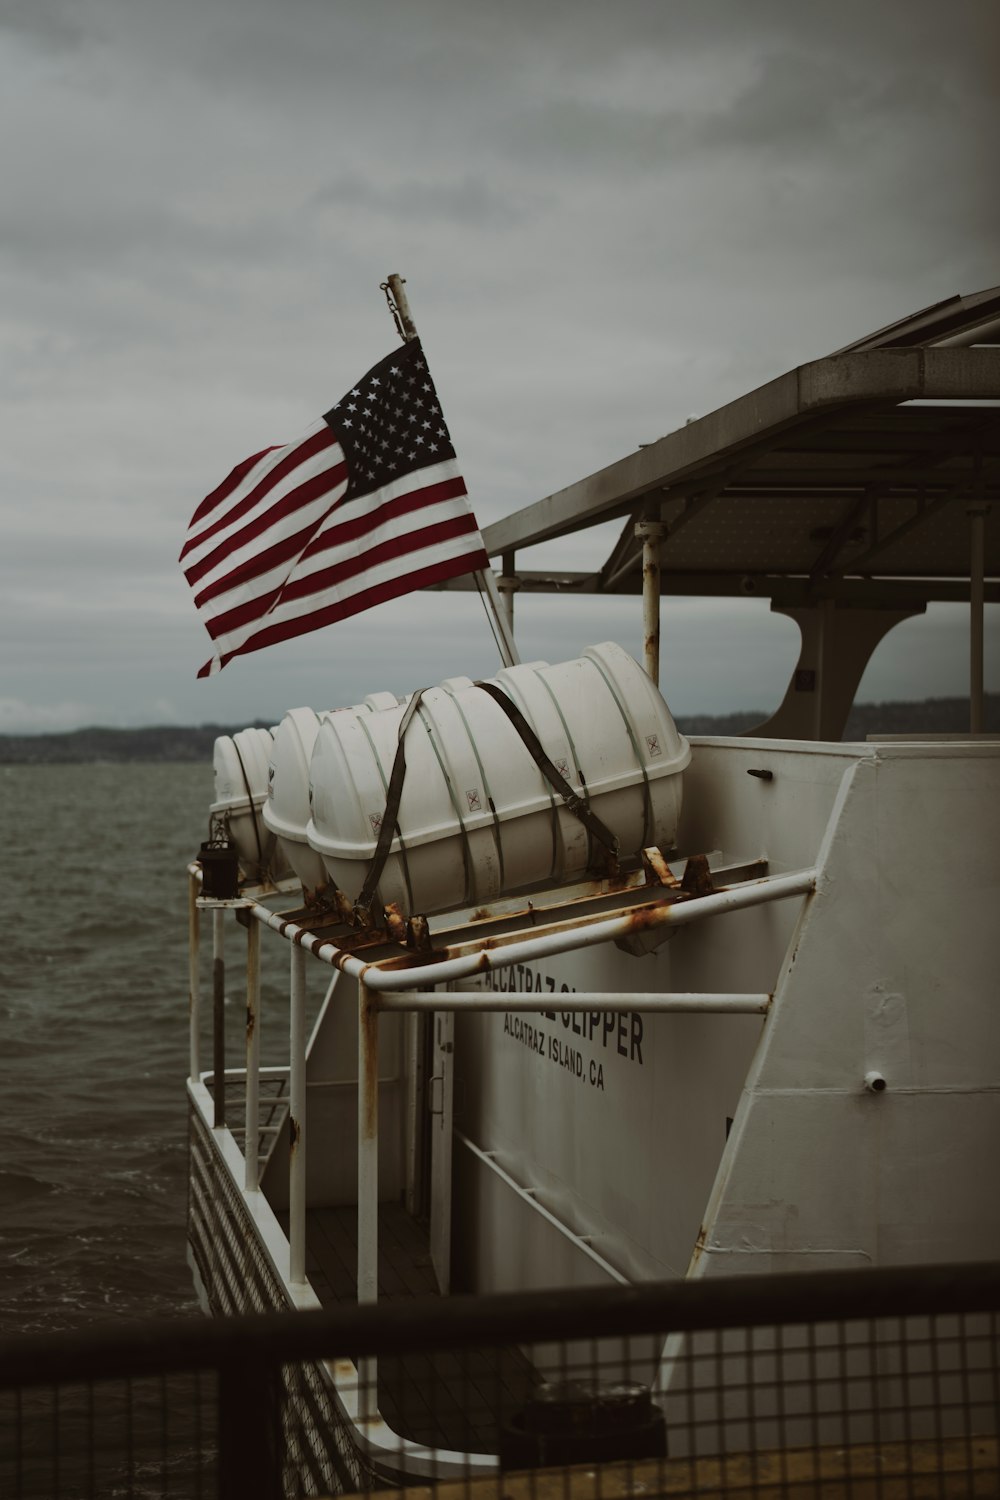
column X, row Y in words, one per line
column 753, row 1029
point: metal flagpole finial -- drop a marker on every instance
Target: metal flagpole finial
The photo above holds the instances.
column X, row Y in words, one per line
column 399, row 306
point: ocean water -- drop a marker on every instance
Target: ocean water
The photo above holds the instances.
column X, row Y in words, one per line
column 93, row 1041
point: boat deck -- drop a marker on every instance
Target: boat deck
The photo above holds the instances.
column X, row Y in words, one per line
column 456, row 1400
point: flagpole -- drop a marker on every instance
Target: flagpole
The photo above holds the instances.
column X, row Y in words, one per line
column 485, row 581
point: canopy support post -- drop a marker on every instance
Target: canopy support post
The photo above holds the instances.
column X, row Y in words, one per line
column 651, row 534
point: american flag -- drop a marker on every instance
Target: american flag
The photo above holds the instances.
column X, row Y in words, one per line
column 368, row 504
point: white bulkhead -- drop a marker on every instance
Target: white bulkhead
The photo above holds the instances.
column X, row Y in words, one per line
column 477, row 817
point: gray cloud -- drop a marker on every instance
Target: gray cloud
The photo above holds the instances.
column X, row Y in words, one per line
column 609, row 217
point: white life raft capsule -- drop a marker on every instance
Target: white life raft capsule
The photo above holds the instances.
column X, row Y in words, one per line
column 477, row 817
column 240, row 762
column 287, row 805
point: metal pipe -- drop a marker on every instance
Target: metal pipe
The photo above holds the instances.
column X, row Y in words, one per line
column 508, row 584
column 977, row 567
column 563, row 937
column 396, row 283
column 416, row 1105
column 367, row 1184
column 493, row 1000
column 250, row 1143
column 527, row 1196
column 651, row 534
column 501, row 625
column 218, row 1018
column 194, row 977
column 367, row 1146
column 297, row 1116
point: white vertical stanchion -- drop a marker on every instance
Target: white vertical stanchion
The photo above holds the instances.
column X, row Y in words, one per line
column 977, row 568
column 250, row 1144
column 367, row 1181
column 194, row 979
column 219, row 1017
column 297, row 1117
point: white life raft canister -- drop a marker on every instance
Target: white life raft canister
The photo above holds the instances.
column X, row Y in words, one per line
column 286, row 808
column 240, row 762
column 477, row 818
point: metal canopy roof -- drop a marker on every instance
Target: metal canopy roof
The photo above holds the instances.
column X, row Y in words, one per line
column 816, row 484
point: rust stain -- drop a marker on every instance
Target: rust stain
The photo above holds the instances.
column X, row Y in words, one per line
column 418, row 934
column 697, row 879
column 294, row 1134
column 368, row 1021
column 395, row 924
column 251, row 1022
column 653, row 914
column 657, row 871
column 410, row 960
column 320, row 898
column 354, row 942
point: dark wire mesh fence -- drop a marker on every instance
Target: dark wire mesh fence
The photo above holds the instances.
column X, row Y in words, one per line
column 873, row 1383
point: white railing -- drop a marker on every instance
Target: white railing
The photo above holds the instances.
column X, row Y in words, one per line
column 403, row 989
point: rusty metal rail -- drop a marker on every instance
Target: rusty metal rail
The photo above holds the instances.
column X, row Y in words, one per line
column 399, row 978
column 478, row 956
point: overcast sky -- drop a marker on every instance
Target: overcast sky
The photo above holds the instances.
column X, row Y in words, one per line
column 610, row 216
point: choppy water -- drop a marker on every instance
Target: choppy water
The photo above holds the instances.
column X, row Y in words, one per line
column 93, row 1040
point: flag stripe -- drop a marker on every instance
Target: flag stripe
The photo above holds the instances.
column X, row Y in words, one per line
column 260, row 570
column 327, row 580
column 304, row 507
column 264, row 491
column 296, row 616
column 310, row 545
column 380, row 593
column 229, row 484
column 262, row 595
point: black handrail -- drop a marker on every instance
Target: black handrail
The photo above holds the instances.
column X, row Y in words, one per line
column 157, row 1346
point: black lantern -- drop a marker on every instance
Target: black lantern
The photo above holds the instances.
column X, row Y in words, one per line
column 220, row 870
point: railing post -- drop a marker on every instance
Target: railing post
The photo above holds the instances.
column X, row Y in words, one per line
column 297, row 1117
column 219, row 1017
column 367, row 1181
column 249, row 1430
column 251, row 1179
column 977, row 549
column 194, row 978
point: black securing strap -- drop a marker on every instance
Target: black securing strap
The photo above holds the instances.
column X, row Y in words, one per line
column 253, row 810
column 392, row 797
column 576, row 804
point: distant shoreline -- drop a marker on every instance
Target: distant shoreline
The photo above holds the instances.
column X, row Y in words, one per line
column 193, row 744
